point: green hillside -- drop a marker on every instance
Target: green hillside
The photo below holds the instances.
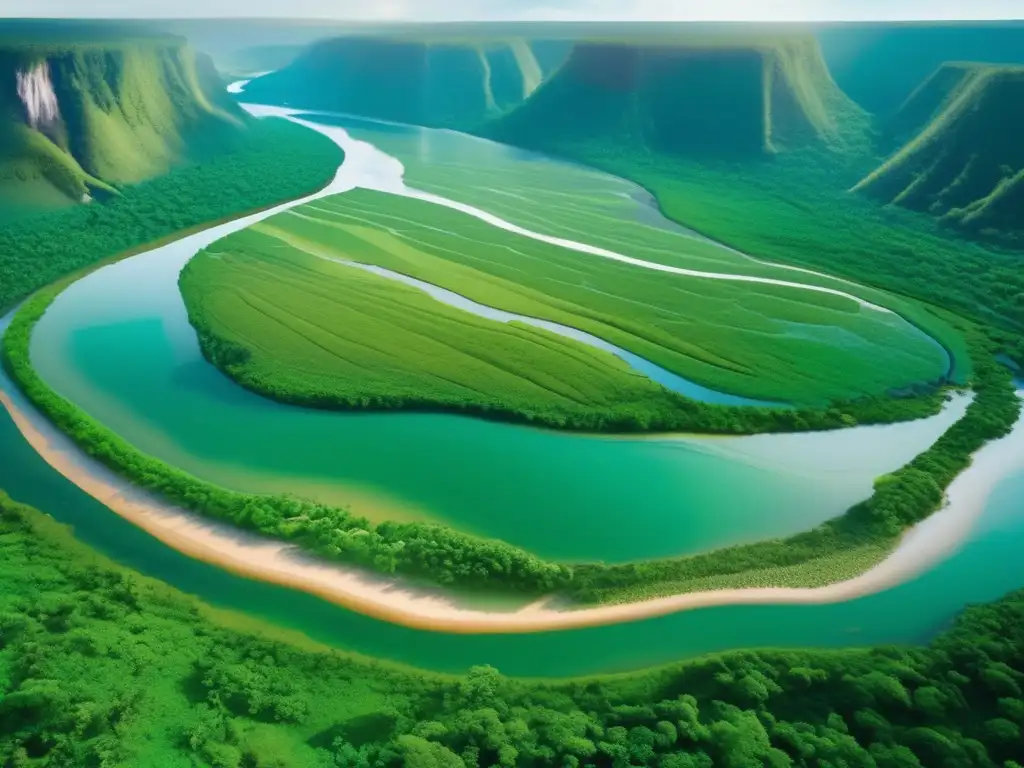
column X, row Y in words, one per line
column 964, row 160
column 722, row 96
column 878, row 64
column 451, row 83
column 78, row 120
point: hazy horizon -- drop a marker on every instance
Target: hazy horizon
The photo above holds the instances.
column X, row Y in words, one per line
column 531, row 10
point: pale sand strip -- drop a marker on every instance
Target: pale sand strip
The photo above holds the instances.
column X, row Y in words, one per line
column 389, row 600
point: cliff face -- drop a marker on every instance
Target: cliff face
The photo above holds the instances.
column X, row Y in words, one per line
column 723, row 98
column 453, row 84
column 964, row 159
column 878, row 64
column 77, row 120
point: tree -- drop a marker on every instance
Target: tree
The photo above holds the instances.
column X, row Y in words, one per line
column 420, row 753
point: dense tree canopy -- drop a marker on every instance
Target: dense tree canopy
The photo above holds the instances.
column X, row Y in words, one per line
column 102, row 667
column 37, row 250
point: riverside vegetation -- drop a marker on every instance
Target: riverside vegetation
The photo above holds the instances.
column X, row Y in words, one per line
column 37, row 250
column 100, row 666
column 449, row 557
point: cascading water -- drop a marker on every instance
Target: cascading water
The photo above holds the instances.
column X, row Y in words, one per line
column 35, row 89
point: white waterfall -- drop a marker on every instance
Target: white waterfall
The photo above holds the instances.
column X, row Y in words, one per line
column 36, row 92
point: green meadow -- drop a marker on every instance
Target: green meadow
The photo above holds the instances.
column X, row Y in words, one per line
column 762, row 341
column 303, row 328
column 788, row 202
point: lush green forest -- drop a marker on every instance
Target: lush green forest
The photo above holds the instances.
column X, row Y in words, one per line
column 37, row 250
column 102, row 667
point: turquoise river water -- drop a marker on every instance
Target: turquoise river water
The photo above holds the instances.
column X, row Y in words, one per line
column 118, row 344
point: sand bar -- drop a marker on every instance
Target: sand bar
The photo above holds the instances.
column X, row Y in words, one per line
column 390, row 600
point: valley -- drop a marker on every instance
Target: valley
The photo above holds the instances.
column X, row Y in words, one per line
column 491, row 395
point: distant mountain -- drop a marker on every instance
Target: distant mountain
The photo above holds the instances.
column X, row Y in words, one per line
column 964, row 160
column 456, row 83
column 257, row 59
column 729, row 96
column 80, row 118
column 878, row 65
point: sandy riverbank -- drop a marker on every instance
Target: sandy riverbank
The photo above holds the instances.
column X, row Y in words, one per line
column 388, row 599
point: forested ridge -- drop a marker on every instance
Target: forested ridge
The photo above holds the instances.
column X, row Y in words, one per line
column 37, row 250
column 102, row 667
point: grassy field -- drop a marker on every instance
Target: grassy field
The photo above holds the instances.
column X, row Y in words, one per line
column 579, row 203
column 762, row 341
column 798, row 209
column 318, row 331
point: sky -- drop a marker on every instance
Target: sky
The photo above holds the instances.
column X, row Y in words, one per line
column 486, row 10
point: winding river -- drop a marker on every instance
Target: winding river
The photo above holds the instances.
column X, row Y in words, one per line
column 984, row 565
column 118, row 344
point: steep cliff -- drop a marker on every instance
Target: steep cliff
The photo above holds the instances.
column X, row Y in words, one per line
column 82, row 119
column 456, row 83
column 964, row 159
column 701, row 96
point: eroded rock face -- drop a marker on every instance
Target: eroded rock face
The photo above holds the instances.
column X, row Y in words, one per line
column 35, row 89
